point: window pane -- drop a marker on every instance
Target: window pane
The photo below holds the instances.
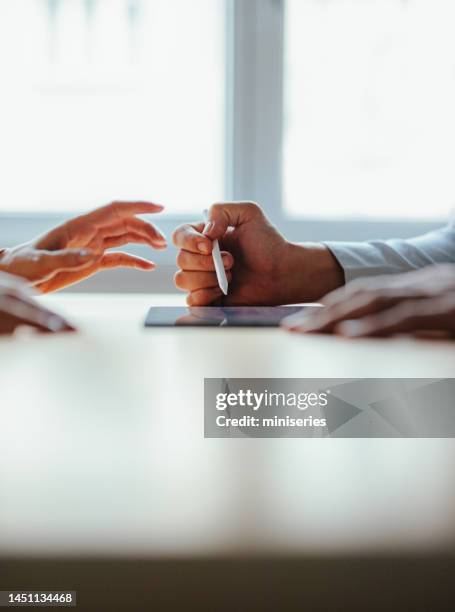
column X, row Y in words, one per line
column 107, row 99
column 370, row 99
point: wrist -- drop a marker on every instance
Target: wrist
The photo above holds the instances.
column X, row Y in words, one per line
column 312, row 271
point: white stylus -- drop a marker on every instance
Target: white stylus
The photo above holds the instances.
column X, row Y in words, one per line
column 218, row 263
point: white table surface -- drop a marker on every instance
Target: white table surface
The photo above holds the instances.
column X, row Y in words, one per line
column 103, row 449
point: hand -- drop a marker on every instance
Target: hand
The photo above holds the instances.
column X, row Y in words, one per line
column 76, row 249
column 262, row 267
column 419, row 301
column 18, row 309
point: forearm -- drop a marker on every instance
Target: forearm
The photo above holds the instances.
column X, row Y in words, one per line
column 396, row 256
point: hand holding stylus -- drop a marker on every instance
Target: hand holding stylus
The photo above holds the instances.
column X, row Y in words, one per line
column 262, row 268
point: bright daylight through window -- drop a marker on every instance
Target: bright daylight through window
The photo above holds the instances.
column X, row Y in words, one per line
column 100, row 102
column 369, row 108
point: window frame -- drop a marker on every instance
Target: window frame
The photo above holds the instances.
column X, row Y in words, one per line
column 254, row 130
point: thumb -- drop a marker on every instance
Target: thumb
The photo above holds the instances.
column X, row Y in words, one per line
column 230, row 214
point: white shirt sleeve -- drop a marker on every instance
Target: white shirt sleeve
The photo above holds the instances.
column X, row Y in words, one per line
column 394, row 256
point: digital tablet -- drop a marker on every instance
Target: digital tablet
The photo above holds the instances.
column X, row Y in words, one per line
column 213, row 316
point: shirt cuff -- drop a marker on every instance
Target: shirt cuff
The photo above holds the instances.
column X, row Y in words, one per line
column 362, row 259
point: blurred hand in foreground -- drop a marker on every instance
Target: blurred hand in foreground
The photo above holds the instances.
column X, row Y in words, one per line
column 18, row 308
column 77, row 249
column 415, row 302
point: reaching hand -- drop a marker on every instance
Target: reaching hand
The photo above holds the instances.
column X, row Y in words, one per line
column 19, row 309
column 419, row 301
column 262, row 267
column 77, row 249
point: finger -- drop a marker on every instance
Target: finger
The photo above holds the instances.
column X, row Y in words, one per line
column 65, row 279
column 9, row 282
column 50, row 263
column 108, row 261
column 430, row 314
column 363, row 285
column 16, row 313
column 353, row 288
column 125, row 260
column 85, row 227
column 358, row 306
column 204, row 297
column 129, row 238
column 295, row 321
column 121, row 227
column 136, row 208
column 194, row 262
column 189, row 237
column 339, row 295
column 192, row 281
column 24, row 292
column 124, row 209
column 230, row 214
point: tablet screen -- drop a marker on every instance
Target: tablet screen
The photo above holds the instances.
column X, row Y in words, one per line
column 213, row 316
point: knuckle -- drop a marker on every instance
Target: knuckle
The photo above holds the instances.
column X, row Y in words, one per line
column 197, row 298
column 408, row 311
column 331, row 313
column 180, row 260
column 204, row 297
column 207, row 263
column 179, row 280
column 176, row 234
column 254, row 207
column 377, row 299
column 357, row 285
column 216, row 208
column 114, row 206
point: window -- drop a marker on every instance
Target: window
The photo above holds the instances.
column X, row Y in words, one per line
column 369, row 109
column 106, row 99
column 336, row 115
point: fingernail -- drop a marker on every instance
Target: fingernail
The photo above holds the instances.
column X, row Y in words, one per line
column 226, row 261
column 56, row 324
column 310, row 327
column 305, row 323
column 208, row 228
column 203, row 247
column 351, row 328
